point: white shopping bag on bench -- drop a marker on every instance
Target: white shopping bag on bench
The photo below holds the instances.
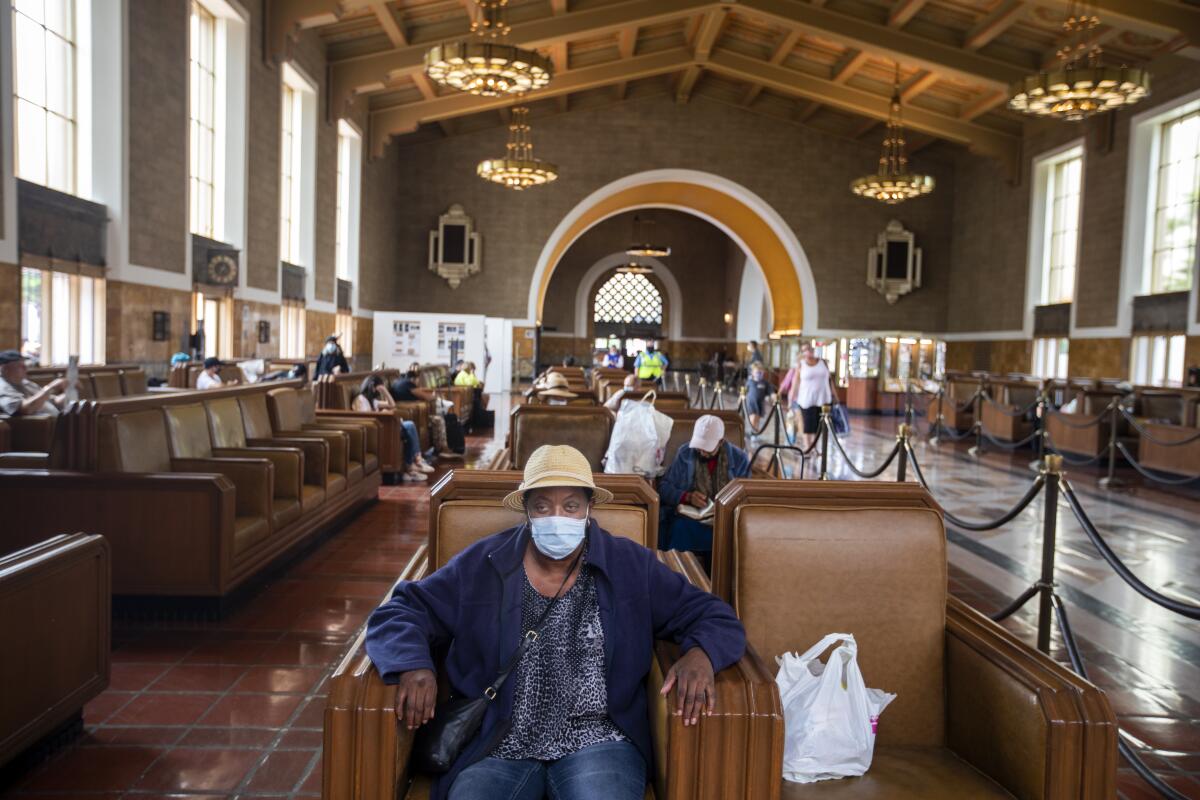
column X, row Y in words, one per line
column 829, row 714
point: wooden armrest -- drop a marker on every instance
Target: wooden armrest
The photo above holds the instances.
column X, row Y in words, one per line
column 316, row 454
column 32, row 434
column 338, row 441
column 693, row 762
column 371, row 423
column 288, row 463
column 253, row 479
column 1048, row 732
column 366, row 751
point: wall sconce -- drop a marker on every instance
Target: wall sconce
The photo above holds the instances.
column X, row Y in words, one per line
column 728, row 318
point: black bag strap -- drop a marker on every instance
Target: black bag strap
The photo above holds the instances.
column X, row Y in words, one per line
column 530, row 636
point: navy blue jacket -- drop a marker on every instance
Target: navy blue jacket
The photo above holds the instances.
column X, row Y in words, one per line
column 473, row 605
column 678, row 479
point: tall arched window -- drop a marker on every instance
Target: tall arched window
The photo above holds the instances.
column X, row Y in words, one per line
column 628, row 298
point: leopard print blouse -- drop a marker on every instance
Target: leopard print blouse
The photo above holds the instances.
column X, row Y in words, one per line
column 560, row 701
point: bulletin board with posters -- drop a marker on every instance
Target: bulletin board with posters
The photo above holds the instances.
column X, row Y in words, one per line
column 404, row 337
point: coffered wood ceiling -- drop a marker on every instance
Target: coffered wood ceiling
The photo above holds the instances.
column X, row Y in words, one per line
column 828, row 64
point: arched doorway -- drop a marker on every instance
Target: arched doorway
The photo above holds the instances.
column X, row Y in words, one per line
column 746, row 218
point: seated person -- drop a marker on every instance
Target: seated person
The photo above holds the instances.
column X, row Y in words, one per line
column 210, row 378
column 556, row 391
column 458, row 367
column 569, row 361
column 373, row 395
column 572, row 721
column 758, row 389
column 21, row 397
column 406, row 390
column 701, row 469
column 614, row 358
column 631, row 390
column 466, row 376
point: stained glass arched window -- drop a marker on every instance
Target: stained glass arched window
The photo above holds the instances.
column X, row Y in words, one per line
column 629, row 298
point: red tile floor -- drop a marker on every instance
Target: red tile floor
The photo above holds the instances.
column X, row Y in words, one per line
column 233, row 709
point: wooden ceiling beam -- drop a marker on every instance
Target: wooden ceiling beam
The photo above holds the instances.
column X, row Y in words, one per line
column 285, row 20
column 786, row 45
column 983, row 105
column 917, row 86
column 1003, row 17
column 887, row 43
column 979, row 138
column 810, row 108
column 626, row 46
column 850, row 63
column 708, row 30
column 903, row 11
column 387, row 20
column 371, row 73
column 558, row 53
column 865, row 128
column 1161, row 19
column 687, row 82
column 404, row 118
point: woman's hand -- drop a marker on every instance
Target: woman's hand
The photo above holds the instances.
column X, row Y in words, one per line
column 697, row 691
column 699, row 500
column 417, row 696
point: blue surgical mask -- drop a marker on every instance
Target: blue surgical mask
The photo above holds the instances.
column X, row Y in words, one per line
column 557, row 537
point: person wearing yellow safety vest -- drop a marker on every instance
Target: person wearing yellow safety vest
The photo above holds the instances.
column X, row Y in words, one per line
column 650, row 364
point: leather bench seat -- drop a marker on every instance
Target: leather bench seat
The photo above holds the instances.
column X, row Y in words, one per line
column 288, row 408
column 977, row 714
column 905, row 773
column 586, row 428
column 194, row 491
column 728, row 755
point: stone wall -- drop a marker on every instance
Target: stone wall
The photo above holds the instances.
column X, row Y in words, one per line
column 991, row 217
column 158, row 133
column 246, row 316
column 699, row 261
column 129, row 324
column 800, row 173
column 10, row 306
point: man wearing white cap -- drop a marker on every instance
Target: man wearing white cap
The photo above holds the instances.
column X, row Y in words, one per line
column 701, row 468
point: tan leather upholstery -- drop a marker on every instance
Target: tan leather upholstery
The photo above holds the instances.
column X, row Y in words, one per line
column 733, row 755
column 585, row 428
column 106, row 384
column 184, row 517
column 876, row 573
column 978, row 713
column 133, row 381
column 55, row 611
column 905, row 774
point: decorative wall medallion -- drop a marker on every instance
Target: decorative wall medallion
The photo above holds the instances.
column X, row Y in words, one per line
column 454, row 248
column 894, row 263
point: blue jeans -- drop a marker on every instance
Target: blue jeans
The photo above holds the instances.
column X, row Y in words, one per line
column 605, row 771
column 412, row 444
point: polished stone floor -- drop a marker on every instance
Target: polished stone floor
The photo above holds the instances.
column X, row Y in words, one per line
column 234, row 708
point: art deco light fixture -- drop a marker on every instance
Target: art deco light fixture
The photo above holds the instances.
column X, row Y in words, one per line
column 893, row 183
column 635, row 268
column 1081, row 85
column 484, row 66
column 518, row 169
column 643, row 240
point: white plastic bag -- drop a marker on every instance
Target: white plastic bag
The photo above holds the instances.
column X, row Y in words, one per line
column 639, row 439
column 829, row 714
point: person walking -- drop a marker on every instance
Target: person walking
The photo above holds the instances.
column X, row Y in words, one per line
column 808, row 386
column 651, row 365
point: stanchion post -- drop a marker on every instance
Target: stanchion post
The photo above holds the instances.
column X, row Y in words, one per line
column 1039, row 421
column 1111, row 481
column 908, row 405
column 936, row 438
column 902, row 438
column 687, row 385
column 1053, row 469
column 717, row 401
column 826, row 424
column 977, row 450
column 702, row 393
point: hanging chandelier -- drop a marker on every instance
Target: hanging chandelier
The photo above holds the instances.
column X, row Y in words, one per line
column 893, row 183
column 635, row 268
column 1081, row 85
column 643, row 240
column 484, row 66
column 518, row 169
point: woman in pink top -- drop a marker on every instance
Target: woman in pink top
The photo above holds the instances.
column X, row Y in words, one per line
column 807, row 387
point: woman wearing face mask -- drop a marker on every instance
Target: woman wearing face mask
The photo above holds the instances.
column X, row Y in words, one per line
column 571, row 722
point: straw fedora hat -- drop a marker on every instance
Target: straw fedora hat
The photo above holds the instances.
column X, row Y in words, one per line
column 556, row 465
column 557, row 386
